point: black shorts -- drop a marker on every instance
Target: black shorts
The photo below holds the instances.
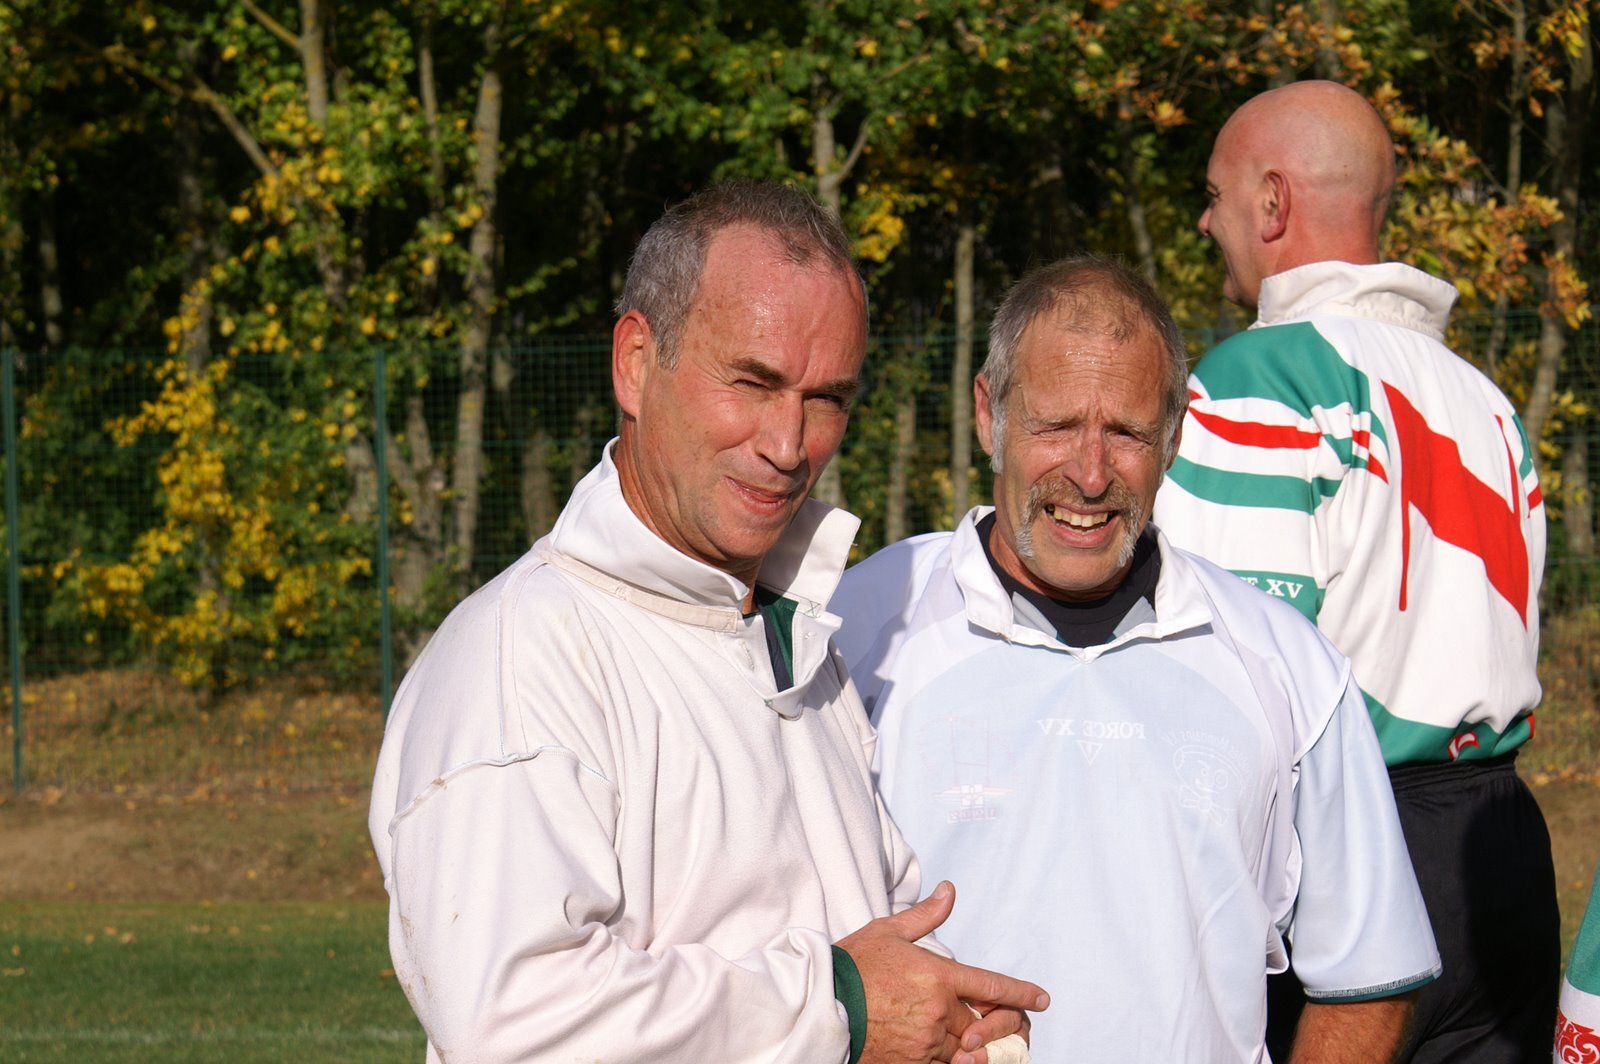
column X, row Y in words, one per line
column 1482, row 855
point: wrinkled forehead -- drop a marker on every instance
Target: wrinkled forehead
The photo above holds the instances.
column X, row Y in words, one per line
column 1093, row 316
column 1093, row 349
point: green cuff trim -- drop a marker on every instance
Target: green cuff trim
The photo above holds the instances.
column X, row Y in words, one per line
column 852, row 995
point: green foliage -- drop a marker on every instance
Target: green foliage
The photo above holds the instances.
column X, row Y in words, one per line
column 274, row 206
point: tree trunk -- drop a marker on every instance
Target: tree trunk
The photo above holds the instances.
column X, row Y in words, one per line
column 1577, row 499
column 194, row 302
column 1128, row 165
column 1516, row 108
column 428, row 89
column 314, row 68
column 830, row 177
column 11, row 233
column 1328, row 65
column 416, row 546
column 961, row 373
column 536, row 490
column 830, row 184
column 314, row 60
column 467, row 470
column 896, row 517
column 1268, row 46
column 1567, row 126
column 49, row 270
column 195, row 308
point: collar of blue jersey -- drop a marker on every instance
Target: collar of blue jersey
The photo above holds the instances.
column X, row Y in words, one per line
column 1390, row 292
column 1180, row 603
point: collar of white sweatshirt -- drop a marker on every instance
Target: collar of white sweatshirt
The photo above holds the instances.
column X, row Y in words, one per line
column 600, row 540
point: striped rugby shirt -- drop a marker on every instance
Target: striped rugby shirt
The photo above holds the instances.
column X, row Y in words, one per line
column 1338, row 456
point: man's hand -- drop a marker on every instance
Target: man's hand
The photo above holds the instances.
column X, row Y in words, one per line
column 1360, row 1032
column 916, row 1000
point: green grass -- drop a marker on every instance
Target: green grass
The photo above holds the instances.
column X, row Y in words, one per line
column 181, row 982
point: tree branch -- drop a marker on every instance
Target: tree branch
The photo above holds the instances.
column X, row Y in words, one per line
column 276, row 28
column 855, row 149
column 230, row 121
column 117, row 55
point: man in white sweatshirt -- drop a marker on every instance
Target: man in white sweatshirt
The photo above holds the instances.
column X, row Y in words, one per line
column 623, row 806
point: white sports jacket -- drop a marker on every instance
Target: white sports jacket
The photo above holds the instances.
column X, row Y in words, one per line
column 605, row 835
column 1340, row 457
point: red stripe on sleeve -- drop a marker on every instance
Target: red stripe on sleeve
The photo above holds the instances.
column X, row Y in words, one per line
column 1255, row 434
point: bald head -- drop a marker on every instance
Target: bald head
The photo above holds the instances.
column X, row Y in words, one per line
column 1300, row 174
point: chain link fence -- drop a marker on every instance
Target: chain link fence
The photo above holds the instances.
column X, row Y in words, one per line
column 218, row 568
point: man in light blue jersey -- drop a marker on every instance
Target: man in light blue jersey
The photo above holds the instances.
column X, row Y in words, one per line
column 1146, row 773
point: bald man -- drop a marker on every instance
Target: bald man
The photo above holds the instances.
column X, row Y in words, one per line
column 1340, row 457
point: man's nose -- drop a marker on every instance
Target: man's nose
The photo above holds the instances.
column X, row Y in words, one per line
column 780, row 436
column 1089, row 467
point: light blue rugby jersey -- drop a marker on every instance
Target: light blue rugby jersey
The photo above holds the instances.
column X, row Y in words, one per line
column 1133, row 825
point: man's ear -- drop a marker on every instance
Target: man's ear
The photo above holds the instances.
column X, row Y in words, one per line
column 633, row 356
column 1177, row 441
column 980, row 408
column 1274, row 205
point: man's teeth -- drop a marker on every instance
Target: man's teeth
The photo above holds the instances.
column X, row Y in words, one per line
column 1067, row 517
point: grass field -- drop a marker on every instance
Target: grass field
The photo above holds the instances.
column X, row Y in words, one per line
column 191, row 981
column 191, row 880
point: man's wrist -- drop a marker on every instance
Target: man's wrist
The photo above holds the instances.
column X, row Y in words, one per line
column 849, row 992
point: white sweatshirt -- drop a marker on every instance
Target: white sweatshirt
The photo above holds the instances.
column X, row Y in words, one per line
column 605, row 834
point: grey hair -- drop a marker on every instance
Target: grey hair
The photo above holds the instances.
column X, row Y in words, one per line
column 1099, row 293
column 664, row 274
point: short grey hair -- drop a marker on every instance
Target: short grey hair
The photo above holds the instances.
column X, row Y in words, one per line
column 1098, row 291
column 667, row 266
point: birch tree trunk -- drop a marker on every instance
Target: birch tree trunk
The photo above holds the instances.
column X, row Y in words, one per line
column 1128, row 166
column 961, row 373
column 1516, row 108
column 1577, row 496
column 896, row 519
column 467, row 471
column 314, row 60
column 1328, row 65
column 314, row 65
column 427, row 88
column 1567, row 127
column 50, row 303
column 831, row 174
column 195, row 309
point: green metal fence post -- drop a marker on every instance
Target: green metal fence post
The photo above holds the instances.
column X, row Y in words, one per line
column 380, row 442
column 8, row 412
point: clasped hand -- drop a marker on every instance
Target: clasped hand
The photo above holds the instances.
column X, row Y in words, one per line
column 917, row 1001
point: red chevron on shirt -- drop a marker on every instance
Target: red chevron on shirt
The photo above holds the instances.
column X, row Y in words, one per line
column 1460, row 509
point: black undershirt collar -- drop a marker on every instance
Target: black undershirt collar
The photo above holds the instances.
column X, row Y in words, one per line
column 1087, row 624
